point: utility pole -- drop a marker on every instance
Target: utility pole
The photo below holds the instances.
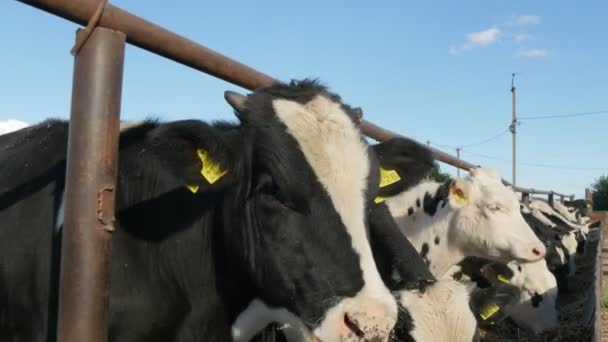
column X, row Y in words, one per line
column 513, row 129
column 458, row 156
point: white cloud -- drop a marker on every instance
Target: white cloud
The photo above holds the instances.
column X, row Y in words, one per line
column 521, row 37
column 531, row 53
column 478, row 39
column 526, row 20
column 10, row 125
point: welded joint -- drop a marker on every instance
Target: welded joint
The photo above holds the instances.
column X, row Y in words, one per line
column 105, row 209
column 83, row 35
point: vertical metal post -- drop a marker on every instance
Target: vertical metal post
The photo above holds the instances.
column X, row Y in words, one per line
column 550, row 198
column 458, row 156
column 90, row 188
column 525, row 197
column 514, row 130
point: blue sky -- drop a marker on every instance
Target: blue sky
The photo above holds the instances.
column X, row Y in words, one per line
column 436, row 71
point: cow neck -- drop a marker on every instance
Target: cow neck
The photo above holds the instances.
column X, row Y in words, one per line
column 424, row 216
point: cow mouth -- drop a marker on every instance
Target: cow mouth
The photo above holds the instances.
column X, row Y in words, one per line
column 298, row 332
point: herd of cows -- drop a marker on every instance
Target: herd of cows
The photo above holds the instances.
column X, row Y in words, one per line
column 287, row 217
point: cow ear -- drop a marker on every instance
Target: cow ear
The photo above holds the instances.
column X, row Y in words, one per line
column 490, row 305
column 200, row 156
column 497, row 273
column 403, row 164
column 460, row 193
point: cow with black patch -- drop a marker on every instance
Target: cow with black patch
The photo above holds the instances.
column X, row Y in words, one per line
column 559, row 222
column 269, row 213
column 473, row 216
column 430, row 309
column 560, row 245
column 532, row 307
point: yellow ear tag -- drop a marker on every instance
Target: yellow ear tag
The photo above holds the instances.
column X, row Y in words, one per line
column 503, row 279
column 388, row 177
column 193, row 188
column 459, row 197
column 211, row 170
column 379, row 199
column 489, row 311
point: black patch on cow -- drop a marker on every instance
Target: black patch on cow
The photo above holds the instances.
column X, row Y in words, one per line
column 418, row 202
column 405, row 324
column 410, row 211
column 436, row 240
column 536, row 299
column 424, row 250
column 431, row 202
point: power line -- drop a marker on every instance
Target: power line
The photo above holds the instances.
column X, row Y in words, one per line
column 486, row 140
column 562, row 116
column 481, row 142
column 547, row 166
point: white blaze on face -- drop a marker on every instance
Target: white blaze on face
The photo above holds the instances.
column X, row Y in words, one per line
column 333, row 147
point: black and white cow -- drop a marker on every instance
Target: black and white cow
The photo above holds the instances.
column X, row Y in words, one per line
column 560, row 245
column 430, row 309
column 559, row 222
column 473, row 216
column 211, row 220
column 534, row 308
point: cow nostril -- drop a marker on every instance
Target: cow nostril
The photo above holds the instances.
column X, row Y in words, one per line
column 536, row 251
column 353, row 326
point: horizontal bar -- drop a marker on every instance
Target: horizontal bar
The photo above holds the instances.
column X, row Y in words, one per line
column 163, row 42
column 158, row 40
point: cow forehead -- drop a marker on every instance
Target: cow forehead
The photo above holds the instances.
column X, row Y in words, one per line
column 492, row 191
column 337, row 154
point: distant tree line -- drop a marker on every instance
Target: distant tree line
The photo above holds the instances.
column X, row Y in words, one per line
column 600, row 193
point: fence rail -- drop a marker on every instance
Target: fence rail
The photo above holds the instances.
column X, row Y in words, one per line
column 84, row 316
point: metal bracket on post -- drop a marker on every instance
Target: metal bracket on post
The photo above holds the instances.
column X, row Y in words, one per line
column 83, row 35
column 92, row 168
column 525, row 197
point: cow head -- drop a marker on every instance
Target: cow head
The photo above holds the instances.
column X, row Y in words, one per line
column 488, row 222
column 297, row 179
column 537, row 309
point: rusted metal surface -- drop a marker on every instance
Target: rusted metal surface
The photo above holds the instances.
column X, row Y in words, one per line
column 381, row 134
column 158, row 40
column 90, row 183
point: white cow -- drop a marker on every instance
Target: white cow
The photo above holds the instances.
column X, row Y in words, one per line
column 473, row 216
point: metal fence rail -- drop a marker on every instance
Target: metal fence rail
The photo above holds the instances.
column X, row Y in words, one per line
column 98, row 65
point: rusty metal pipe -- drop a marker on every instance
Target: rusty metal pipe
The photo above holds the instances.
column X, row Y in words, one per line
column 90, row 188
column 158, row 40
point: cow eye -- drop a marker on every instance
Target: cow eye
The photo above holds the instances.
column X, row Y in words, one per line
column 266, row 185
column 494, row 207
